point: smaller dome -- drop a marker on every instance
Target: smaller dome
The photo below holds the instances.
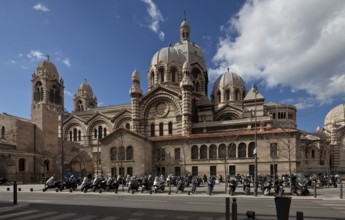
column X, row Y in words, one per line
column 228, row 79
column 85, row 89
column 47, row 67
column 184, row 24
column 135, row 75
column 335, row 116
column 167, row 55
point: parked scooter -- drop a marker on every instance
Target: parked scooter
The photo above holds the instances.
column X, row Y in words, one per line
column 278, row 187
column 99, row 183
column 158, row 184
column 180, row 184
column 86, row 183
column 266, row 185
column 52, row 184
column 133, row 185
column 146, row 184
column 232, row 186
column 70, row 183
column 210, row 185
column 195, row 184
column 300, row 185
column 246, row 185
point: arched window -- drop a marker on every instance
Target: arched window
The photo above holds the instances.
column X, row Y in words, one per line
column 80, row 106
column 227, row 94
column 122, row 153
column 173, row 74
column 74, row 134
column 129, row 153
column 152, row 77
column 3, row 131
column 21, row 164
column 161, row 74
column 70, row 136
column 242, row 152
column 219, row 97
column 152, row 129
column 128, row 126
column 251, row 149
column 213, row 152
column 95, row 133
column 113, row 153
column 170, row 127
column 238, row 95
column 203, row 152
column 195, row 152
column 222, row 152
column 105, row 132
column 161, row 129
column 232, row 150
column 79, row 135
column 100, row 132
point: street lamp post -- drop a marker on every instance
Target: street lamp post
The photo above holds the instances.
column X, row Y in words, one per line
column 256, row 147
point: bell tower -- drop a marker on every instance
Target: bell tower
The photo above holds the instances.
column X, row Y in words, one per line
column 47, row 103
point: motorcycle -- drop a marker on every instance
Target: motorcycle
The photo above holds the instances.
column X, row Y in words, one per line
column 4, row 181
column 146, row 184
column 266, row 186
column 300, row 185
column 52, row 184
column 98, row 183
column 210, row 185
column 278, row 187
column 133, row 185
column 195, row 183
column 70, row 183
column 158, row 184
column 86, row 184
column 246, row 186
column 180, row 185
column 232, row 186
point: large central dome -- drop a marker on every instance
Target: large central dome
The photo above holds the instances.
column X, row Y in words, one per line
column 336, row 116
column 168, row 55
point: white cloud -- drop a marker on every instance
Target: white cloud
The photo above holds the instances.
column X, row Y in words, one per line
column 13, row 61
column 35, row 54
column 293, row 43
column 41, row 7
column 68, row 93
column 67, row 62
column 156, row 17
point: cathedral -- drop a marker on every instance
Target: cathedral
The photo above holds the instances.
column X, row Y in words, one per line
column 176, row 127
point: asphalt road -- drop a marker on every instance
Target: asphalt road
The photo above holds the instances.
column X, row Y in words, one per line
column 108, row 205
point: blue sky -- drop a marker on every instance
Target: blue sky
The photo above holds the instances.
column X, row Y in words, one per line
column 293, row 50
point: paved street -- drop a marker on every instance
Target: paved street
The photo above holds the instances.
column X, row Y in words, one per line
column 108, row 205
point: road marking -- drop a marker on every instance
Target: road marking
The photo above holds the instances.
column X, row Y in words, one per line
column 63, row 216
column 181, row 217
column 138, row 200
column 110, row 218
column 18, row 214
column 299, row 207
column 205, row 203
column 333, row 204
column 38, row 216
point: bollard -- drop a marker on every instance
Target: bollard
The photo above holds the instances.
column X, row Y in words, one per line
column 234, row 209
column 282, row 207
column 227, row 208
column 8, row 188
column 299, row 215
column 31, row 189
column 315, row 195
column 250, row 215
column 15, row 193
column 19, row 189
column 341, row 189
